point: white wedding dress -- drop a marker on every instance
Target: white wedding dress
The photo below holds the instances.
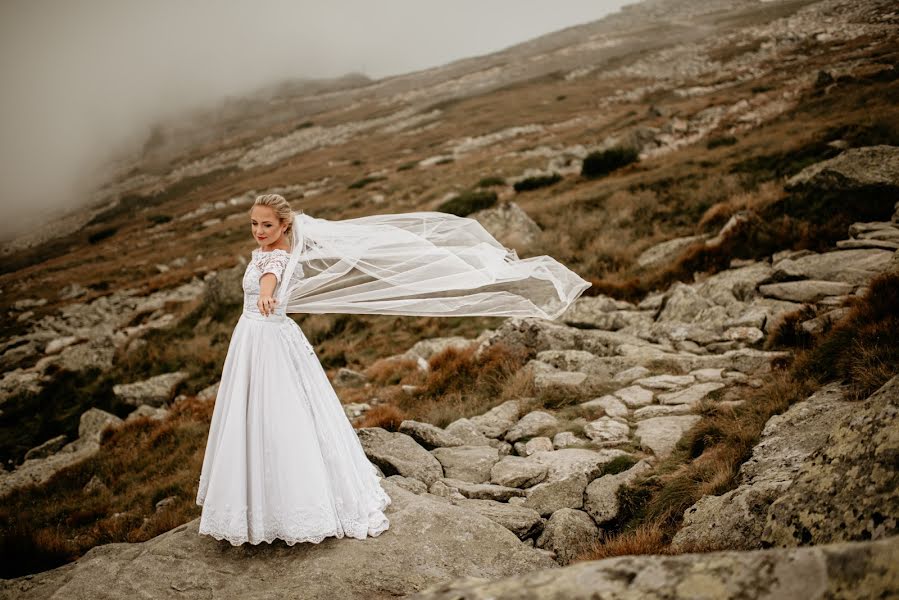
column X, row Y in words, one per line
column 282, row 459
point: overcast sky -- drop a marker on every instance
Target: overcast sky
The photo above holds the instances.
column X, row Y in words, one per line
column 82, row 77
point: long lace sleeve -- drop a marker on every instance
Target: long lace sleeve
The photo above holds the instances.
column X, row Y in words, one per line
column 273, row 262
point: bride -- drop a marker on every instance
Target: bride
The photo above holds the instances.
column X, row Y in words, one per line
column 282, row 459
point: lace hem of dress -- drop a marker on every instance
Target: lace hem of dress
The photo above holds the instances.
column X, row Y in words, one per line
column 237, row 524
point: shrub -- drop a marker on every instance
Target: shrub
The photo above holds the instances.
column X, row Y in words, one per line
column 468, row 202
column 361, row 183
column 159, row 219
column 721, row 140
column 101, row 235
column 540, row 181
column 603, row 162
column 491, row 181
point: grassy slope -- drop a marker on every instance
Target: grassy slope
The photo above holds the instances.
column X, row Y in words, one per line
column 597, row 227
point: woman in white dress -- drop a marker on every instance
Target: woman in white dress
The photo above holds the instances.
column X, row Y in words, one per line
column 282, row 459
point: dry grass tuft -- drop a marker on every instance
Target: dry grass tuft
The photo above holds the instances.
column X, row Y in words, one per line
column 387, row 416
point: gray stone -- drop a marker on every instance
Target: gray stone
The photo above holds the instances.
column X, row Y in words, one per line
column 847, row 570
column 482, row 491
column 567, row 461
column 568, row 533
column 468, row 463
column 647, row 412
column 154, row 391
column 661, row 434
column 805, row 290
column 667, row 251
column 629, row 375
column 854, row 267
column 550, row 496
column 523, row 522
column 349, row 378
column 532, row 424
column 397, row 453
column 634, row 396
column 47, row 448
column 398, row 562
column 610, row 404
column 853, row 169
column 509, row 224
column 845, row 489
column 499, row 419
column 692, row 395
column 428, row 435
column 517, row 471
column 607, row 431
column 145, row 410
column 666, row 382
column 736, row 519
column 601, row 494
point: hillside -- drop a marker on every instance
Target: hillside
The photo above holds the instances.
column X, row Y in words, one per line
column 724, row 173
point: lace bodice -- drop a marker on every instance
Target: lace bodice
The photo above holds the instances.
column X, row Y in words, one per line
column 274, row 261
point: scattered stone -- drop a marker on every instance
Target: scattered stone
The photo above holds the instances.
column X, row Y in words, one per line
column 607, row 431
column 692, row 395
column 610, row 404
column 531, row 425
column 349, row 378
column 634, row 396
column 145, row 410
column 601, row 495
column 154, row 391
column 517, row 471
column 568, row 533
column 550, row 496
column 666, row 382
column 661, row 434
column 428, row 435
column 398, row 453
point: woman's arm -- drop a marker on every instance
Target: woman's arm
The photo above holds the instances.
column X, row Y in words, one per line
column 267, row 284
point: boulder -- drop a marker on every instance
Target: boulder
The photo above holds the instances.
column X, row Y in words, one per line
column 805, row 290
column 509, row 224
column 428, row 435
column 523, row 522
column 845, row 489
column 661, row 434
column 854, row 267
column 736, row 519
column 854, row 169
column 847, row 570
column 468, row 463
column 154, row 391
column 400, row 561
column 568, row 533
column 397, row 453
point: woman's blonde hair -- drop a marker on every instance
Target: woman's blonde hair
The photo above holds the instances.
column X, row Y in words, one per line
column 282, row 208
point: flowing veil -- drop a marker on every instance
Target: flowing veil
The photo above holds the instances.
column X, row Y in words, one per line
column 419, row 263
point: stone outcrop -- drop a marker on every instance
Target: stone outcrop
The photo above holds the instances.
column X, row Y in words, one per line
column 824, row 471
column 42, row 465
column 846, row 570
column 430, row 540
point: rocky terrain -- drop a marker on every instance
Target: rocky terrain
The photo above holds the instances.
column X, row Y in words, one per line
column 514, row 501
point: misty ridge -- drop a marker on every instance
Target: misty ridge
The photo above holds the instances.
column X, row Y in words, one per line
column 714, row 417
column 86, row 87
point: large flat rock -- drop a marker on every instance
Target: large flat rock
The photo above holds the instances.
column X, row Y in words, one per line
column 428, row 541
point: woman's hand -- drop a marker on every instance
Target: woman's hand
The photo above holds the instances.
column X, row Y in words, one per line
column 266, row 304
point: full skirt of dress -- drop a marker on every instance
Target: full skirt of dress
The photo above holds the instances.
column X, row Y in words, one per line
column 282, row 459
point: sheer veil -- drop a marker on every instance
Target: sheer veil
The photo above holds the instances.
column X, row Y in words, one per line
column 418, row 263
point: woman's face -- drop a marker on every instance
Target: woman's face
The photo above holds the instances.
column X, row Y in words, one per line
column 267, row 230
